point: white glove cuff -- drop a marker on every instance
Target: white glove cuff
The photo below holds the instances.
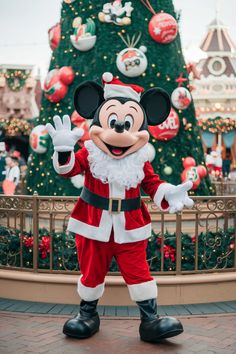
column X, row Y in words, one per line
column 63, row 148
column 63, row 169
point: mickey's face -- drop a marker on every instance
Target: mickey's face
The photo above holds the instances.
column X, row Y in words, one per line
column 117, row 131
column 119, row 126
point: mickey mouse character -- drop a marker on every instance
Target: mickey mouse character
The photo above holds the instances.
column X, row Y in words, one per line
column 109, row 219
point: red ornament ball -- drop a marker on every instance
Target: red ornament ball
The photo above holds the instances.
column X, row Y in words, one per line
column 66, row 75
column 163, row 28
column 202, row 171
column 189, row 162
column 54, row 36
column 54, row 89
column 168, row 129
column 191, row 174
column 56, row 83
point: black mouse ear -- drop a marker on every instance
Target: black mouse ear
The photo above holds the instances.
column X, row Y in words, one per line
column 87, row 98
column 156, row 103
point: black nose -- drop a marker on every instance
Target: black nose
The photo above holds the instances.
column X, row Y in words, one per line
column 119, row 126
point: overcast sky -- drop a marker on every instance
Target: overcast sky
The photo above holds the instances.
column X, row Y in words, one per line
column 24, row 25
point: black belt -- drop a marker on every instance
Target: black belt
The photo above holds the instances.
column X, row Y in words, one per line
column 113, row 205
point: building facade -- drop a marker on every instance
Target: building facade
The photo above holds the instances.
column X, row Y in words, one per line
column 215, row 92
column 19, row 104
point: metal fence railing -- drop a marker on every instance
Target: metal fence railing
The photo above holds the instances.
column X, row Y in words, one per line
column 33, row 236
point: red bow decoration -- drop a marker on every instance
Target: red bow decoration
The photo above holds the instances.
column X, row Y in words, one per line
column 44, row 246
column 28, row 241
column 169, row 252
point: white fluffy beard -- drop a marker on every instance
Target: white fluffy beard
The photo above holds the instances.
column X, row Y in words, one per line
column 128, row 172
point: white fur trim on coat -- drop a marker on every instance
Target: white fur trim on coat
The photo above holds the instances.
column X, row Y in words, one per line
column 103, row 231
column 143, row 291
column 160, row 194
column 63, row 169
column 90, row 294
column 99, row 233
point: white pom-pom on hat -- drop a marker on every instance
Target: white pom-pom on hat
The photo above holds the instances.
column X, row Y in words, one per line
column 107, row 77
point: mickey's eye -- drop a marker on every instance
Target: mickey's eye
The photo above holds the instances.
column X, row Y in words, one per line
column 112, row 120
column 129, row 122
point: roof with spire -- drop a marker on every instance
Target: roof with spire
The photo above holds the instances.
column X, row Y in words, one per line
column 220, row 50
column 217, row 38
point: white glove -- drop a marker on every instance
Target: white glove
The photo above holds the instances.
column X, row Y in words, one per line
column 177, row 196
column 63, row 138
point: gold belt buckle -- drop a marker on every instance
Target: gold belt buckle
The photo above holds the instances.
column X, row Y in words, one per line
column 110, row 205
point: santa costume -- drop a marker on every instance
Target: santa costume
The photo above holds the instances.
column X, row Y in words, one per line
column 110, row 219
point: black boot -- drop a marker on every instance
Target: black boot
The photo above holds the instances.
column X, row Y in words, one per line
column 86, row 323
column 154, row 328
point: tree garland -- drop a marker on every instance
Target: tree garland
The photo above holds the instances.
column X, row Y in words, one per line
column 15, row 126
column 217, row 125
column 215, row 250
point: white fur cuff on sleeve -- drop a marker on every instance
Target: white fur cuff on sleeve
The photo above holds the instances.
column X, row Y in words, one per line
column 160, row 194
column 64, row 168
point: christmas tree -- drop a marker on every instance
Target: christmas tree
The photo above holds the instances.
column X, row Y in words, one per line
column 139, row 43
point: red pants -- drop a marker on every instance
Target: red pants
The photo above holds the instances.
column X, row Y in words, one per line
column 95, row 257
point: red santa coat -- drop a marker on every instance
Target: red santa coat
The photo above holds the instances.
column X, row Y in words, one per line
column 95, row 223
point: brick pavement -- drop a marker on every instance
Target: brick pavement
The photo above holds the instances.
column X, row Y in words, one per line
column 30, row 334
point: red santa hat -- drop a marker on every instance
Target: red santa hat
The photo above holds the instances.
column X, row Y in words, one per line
column 115, row 88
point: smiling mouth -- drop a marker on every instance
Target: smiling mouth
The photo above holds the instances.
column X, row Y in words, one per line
column 117, row 150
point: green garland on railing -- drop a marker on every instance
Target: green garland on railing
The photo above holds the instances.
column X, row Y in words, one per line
column 215, row 250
